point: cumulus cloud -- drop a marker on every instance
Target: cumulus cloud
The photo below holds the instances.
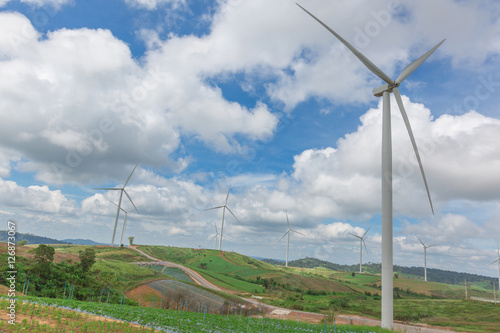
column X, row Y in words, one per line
column 36, row 199
column 447, row 229
column 452, row 147
column 90, row 99
column 153, row 4
column 48, row 4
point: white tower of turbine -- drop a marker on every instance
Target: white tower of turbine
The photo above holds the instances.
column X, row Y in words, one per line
column 288, row 240
column 122, row 190
column 224, row 207
column 215, row 236
column 361, row 243
column 425, row 256
column 498, row 264
column 387, row 235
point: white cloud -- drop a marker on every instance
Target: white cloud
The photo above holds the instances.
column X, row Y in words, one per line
column 447, row 229
column 452, row 147
column 153, row 4
column 89, row 99
column 52, row 4
column 36, row 199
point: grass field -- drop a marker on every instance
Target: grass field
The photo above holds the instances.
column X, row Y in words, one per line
column 49, row 318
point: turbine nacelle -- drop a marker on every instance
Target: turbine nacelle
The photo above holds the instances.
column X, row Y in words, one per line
column 379, row 91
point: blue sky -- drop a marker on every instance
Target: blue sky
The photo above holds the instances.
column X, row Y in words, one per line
column 257, row 95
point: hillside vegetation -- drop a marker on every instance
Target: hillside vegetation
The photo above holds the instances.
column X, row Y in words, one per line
column 433, row 274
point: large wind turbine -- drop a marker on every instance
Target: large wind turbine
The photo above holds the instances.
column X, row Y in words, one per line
column 125, row 220
column 498, row 263
column 122, row 190
column 361, row 243
column 224, row 207
column 215, row 236
column 425, row 256
column 385, row 91
column 288, row 241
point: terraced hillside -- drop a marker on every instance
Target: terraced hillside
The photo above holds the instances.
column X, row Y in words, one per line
column 240, row 273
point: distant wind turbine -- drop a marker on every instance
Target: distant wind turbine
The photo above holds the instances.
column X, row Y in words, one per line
column 215, row 236
column 387, row 232
column 125, row 220
column 122, row 190
column 498, row 264
column 425, row 257
column 361, row 243
column 224, row 207
column 288, row 240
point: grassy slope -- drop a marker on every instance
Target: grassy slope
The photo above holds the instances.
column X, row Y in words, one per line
column 238, row 272
column 104, row 252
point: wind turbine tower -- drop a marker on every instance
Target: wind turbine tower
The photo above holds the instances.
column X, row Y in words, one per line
column 288, row 240
column 125, row 220
column 122, row 190
column 215, row 236
column 425, row 256
column 387, row 231
column 224, row 207
column 498, row 264
column 361, row 243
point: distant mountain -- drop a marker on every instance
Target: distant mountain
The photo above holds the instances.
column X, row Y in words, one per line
column 276, row 262
column 433, row 274
column 30, row 238
column 80, row 241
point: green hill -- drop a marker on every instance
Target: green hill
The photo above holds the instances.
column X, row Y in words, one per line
column 433, row 274
column 241, row 273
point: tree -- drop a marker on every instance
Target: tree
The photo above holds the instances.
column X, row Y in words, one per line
column 131, row 240
column 353, row 274
column 44, row 256
column 23, row 242
column 87, row 259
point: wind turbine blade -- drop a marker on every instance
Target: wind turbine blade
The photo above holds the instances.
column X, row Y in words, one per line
column 431, row 245
column 128, row 211
column 128, row 196
column 121, row 208
column 107, row 188
column 126, row 182
column 412, row 138
column 350, row 233
column 414, row 65
column 227, row 196
column 370, row 65
column 366, row 249
column 215, row 207
column 233, row 214
column 420, row 241
column 283, row 236
column 287, row 220
column 298, row 232
column 366, row 232
column 495, row 261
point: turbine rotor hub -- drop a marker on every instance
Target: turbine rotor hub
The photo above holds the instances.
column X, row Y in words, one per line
column 379, row 91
